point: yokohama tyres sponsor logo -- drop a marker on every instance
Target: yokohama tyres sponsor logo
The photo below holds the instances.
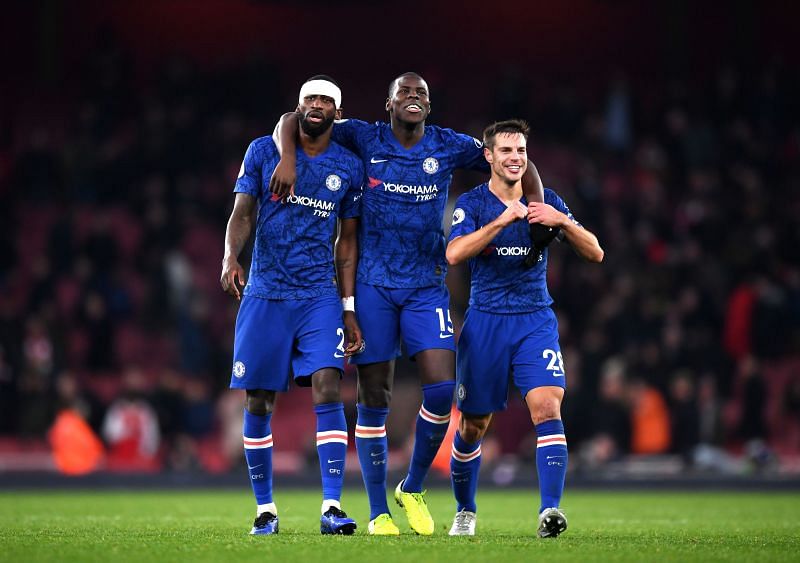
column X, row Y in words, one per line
column 512, row 250
column 311, row 202
column 321, row 207
column 409, row 189
column 422, row 193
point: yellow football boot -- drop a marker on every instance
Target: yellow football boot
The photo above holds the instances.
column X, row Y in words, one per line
column 416, row 509
column 383, row 525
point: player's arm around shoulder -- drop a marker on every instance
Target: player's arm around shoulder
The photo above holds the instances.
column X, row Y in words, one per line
column 466, row 239
column 285, row 137
column 583, row 241
column 467, row 149
column 353, row 134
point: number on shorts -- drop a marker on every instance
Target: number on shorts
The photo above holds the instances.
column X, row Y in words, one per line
column 556, row 363
column 444, row 326
column 340, row 332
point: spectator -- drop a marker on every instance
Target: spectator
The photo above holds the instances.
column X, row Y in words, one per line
column 650, row 423
column 610, row 417
column 131, row 428
column 684, row 415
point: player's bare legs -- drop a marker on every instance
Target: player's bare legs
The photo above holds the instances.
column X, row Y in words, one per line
column 473, row 427
column 325, row 385
column 259, row 401
column 375, row 383
column 331, row 448
column 544, row 404
column 436, row 365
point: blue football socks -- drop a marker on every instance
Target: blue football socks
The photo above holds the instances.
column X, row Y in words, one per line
column 551, row 462
column 373, row 455
column 432, row 422
column 465, row 464
column 257, row 438
column 331, row 448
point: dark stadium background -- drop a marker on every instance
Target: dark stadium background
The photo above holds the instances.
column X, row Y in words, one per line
column 671, row 129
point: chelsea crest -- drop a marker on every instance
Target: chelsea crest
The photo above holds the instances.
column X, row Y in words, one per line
column 333, row 182
column 430, row 165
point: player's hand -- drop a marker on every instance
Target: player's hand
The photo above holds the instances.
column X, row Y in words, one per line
column 281, row 184
column 513, row 212
column 545, row 214
column 232, row 277
column 355, row 340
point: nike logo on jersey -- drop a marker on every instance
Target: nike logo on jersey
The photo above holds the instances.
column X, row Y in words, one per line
column 374, row 160
column 443, row 336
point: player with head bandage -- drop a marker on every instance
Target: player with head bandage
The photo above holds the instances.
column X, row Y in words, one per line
column 291, row 315
column 321, row 86
column 509, row 330
column 400, row 295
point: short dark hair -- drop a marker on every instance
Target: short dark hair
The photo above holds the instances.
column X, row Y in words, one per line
column 393, row 82
column 322, row 77
column 508, row 126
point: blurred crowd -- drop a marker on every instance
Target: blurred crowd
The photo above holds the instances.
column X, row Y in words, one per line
column 684, row 341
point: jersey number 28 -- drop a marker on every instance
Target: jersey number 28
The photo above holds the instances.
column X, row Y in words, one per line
column 556, row 363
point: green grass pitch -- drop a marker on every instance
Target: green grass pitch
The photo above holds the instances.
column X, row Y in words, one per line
column 214, row 526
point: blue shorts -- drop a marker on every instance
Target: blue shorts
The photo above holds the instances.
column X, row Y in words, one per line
column 493, row 347
column 276, row 337
column 420, row 315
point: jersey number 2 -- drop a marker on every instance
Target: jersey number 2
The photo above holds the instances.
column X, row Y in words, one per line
column 340, row 347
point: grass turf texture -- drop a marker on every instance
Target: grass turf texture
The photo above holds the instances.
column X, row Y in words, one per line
column 214, row 526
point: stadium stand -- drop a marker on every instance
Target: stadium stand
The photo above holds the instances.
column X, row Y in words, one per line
column 684, row 344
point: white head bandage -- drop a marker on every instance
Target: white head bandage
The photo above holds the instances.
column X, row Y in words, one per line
column 321, row 88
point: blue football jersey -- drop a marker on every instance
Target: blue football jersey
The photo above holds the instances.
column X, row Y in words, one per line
column 500, row 283
column 293, row 249
column 401, row 241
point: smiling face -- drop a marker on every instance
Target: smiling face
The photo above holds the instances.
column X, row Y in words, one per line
column 409, row 100
column 318, row 113
column 508, row 157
